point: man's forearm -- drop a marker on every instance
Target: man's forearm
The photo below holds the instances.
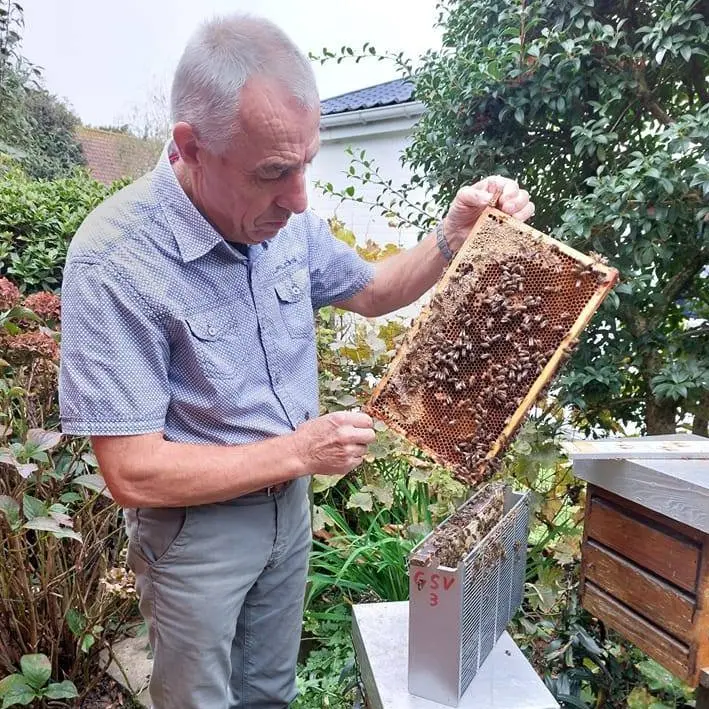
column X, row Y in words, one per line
column 148, row 471
column 402, row 279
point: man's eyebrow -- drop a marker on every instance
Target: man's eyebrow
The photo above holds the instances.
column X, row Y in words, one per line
column 283, row 165
column 276, row 166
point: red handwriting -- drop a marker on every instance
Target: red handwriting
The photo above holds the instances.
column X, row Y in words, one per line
column 434, row 581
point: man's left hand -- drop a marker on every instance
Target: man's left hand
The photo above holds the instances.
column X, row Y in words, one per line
column 470, row 201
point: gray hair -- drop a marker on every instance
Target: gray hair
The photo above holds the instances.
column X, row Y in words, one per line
column 216, row 63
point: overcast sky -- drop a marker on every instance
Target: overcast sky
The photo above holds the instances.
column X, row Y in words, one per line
column 105, row 57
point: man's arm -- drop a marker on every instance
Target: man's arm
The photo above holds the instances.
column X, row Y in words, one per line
column 399, row 280
column 405, row 277
column 148, row 471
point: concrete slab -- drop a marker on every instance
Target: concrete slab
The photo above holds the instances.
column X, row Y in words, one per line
column 380, row 632
column 131, row 667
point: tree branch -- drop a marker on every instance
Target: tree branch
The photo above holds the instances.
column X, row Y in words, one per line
column 617, row 402
column 699, row 80
column 700, row 425
column 636, row 323
column 648, row 98
column 680, row 280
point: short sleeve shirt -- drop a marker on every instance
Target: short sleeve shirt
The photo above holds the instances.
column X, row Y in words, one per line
column 166, row 327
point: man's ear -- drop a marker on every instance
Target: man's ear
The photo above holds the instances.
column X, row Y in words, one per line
column 186, row 142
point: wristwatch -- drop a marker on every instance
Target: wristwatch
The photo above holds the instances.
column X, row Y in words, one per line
column 442, row 242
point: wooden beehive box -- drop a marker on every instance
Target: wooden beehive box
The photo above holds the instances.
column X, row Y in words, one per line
column 645, row 554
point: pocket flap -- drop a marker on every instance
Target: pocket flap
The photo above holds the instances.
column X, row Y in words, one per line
column 292, row 287
column 212, row 325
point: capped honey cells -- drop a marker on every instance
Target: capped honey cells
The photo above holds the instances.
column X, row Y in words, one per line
column 505, row 316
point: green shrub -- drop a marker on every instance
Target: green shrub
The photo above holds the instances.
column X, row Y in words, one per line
column 64, row 591
column 32, row 683
column 38, row 218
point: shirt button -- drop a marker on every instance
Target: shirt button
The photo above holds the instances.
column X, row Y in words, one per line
column 211, row 331
column 307, row 415
column 296, row 290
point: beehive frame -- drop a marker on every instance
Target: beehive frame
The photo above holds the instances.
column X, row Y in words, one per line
column 504, row 317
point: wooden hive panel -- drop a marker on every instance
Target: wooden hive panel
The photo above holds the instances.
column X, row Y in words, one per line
column 647, row 577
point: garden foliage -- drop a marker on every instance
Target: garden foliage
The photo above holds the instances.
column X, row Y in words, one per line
column 601, row 110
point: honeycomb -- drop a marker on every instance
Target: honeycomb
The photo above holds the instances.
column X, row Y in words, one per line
column 505, row 316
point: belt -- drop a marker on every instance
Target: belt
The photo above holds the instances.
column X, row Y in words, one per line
column 272, row 489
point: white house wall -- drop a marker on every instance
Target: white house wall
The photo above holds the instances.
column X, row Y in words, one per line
column 384, row 141
column 383, row 133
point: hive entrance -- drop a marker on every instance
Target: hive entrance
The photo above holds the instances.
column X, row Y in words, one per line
column 503, row 319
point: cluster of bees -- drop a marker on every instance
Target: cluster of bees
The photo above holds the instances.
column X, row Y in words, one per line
column 484, row 346
column 464, row 529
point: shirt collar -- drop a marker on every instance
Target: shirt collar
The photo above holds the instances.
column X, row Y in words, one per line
column 194, row 235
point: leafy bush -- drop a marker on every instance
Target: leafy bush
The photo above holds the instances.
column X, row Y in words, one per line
column 327, row 678
column 37, row 221
column 64, row 592
column 53, row 149
column 36, row 128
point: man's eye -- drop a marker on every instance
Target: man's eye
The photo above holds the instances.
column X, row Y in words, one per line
column 276, row 174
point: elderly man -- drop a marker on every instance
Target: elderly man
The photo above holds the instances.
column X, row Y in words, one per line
column 189, row 357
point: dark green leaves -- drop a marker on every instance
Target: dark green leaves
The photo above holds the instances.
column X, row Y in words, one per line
column 24, row 688
column 36, row 670
column 37, row 222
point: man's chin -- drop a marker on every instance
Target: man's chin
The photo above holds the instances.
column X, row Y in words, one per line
column 269, row 230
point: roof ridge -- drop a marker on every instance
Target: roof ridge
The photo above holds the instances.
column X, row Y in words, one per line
column 367, row 88
column 387, row 93
column 94, row 129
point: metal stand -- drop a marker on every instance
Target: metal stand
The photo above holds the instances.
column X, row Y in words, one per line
column 456, row 616
column 380, row 633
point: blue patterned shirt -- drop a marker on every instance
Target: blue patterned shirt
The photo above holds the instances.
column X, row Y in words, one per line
column 166, row 327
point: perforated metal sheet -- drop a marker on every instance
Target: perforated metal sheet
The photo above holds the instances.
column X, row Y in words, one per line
column 494, row 584
column 504, row 317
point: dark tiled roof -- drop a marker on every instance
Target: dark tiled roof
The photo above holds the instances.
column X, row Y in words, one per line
column 387, row 94
column 110, row 156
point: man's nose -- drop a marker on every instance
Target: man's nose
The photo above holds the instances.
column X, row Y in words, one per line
column 295, row 197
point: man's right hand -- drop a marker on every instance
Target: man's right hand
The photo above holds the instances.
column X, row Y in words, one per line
column 335, row 443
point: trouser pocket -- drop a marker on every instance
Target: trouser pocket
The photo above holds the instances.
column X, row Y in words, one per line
column 160, row 532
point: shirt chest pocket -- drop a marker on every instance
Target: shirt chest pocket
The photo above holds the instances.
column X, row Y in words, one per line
column 219, row 339
column 293, row 293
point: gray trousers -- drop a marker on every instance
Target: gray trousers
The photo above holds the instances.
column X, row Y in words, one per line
column 221, row 587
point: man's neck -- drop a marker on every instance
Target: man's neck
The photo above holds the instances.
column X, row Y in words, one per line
column 183, row 177
column 185, row 181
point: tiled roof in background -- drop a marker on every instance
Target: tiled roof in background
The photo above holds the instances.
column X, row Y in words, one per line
column 387, row 94
column 111, row 156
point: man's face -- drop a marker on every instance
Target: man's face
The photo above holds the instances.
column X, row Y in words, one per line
column 250, row 191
